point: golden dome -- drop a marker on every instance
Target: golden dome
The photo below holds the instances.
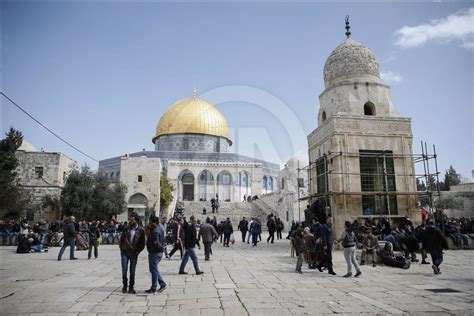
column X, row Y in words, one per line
column 193, row 116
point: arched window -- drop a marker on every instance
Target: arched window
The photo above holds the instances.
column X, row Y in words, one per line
column 323, row 116
column 369, row 109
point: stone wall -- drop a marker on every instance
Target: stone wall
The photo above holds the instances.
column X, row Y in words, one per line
column 150, row 171
column 55, row 169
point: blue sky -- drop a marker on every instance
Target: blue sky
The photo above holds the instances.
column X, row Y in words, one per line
column 102, row 74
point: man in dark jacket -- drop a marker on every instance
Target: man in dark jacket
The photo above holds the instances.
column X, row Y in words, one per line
column 190, row 241
column 94, row 235
column 208, row 234
column 155, row 244
column 70, row 234
column 327, row 239
column 434, row 242
column 178, row 238
column 279, row 227
column 132, row 242
column 271, row 230
column 243, row 227
column 227, row 229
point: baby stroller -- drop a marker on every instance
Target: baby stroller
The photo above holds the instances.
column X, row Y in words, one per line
column 56, row 240
column 81, row 242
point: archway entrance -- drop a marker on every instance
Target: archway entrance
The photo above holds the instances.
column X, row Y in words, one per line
column 206, row 185
column 244, row 185
column 187, row 186
column 224, row 183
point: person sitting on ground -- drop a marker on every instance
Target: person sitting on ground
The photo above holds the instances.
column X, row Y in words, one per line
column 453, row 231
column 389, row 258
column 369, row 247
column 28, row 243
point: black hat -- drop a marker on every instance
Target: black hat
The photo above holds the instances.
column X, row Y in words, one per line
column 135, row 215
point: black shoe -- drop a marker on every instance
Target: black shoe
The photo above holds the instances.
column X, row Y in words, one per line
column 347, row 275
column 207, row 259
column 59, row 259
column 73, row 258
column 358, row 274
column 332, row 273
column 182, row 272
column 199, row 272
column 424, row 262
column 320, row 269
column 151, row 291
column 362, row 263
column 373, row 264
column 132, row 291
column 162, row 288
column 124, row 289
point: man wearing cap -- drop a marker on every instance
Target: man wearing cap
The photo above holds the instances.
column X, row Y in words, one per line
column 69, row 239
column 132, row 242
column 190, row 242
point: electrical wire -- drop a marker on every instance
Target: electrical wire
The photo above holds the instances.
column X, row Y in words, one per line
column 46, row 128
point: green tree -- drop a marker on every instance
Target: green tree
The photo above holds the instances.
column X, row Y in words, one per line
column 108, row 199
column 13, row 199
column 166, row 191
column 90, row 195
column 77, row 193
column 451, row 177
column 420, row 185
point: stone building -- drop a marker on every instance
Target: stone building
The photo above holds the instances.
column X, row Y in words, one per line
column 192, row 142
column 42, row 174
column 361, row 152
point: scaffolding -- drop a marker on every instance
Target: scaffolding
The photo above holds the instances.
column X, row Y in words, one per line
column 379, row 179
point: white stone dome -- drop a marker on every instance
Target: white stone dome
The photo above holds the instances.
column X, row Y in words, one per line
column 27, row 146
column 351, row 61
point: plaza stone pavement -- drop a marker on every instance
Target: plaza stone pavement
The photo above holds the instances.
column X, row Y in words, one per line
column 239, row 280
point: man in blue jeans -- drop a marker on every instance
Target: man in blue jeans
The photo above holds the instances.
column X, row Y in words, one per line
column 69, row 239
column 155, row 244
column 132, row 242
column 190, row 241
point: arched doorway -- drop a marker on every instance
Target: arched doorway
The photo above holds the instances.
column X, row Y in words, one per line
column 186, row 185
column 138, row 203
column 244, row 184
column 224, row 184
column 206, row 186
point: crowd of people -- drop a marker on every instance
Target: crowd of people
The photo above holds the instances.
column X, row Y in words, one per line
column 312, row 241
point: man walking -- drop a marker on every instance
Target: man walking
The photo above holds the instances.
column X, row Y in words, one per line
column 132, row 242
column 271, row 230
column 70, row 234
column 327, row 239
column 434, row 242
column 243, row 227
column 190, row 242
column 208, row 234
column 227, row 230
column 155, row 245
column 178, row 237
column 279, row 227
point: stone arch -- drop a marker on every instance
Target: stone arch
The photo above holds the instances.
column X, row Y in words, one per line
column 186, row 183
column 206, row 183
column 138, row 203
column 224, row 186
column 369, row 109
column 245, row 185
column 264, row 184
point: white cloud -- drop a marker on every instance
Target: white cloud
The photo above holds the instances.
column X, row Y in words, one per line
column 390, row 77
column 456, row 27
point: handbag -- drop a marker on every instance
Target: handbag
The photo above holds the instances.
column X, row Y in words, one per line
column 98, row 241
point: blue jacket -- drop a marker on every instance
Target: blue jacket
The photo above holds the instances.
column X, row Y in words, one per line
column 156, row 240
column 327, row 237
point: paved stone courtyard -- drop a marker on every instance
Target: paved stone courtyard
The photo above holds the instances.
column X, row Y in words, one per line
column 240, row 280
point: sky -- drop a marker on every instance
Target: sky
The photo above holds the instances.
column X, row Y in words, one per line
column 101, row 74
